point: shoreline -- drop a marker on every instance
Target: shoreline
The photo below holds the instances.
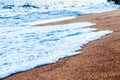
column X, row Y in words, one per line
column 99, row 60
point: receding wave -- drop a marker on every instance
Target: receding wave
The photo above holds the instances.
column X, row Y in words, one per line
column 34, row 16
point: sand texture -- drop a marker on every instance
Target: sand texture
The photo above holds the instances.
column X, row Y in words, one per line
column 99, row 60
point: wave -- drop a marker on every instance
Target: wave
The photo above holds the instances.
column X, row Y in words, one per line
column 5, row 4
column 15, row 12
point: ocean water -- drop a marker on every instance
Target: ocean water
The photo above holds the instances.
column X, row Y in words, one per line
column 16, row 12
column 23, row 47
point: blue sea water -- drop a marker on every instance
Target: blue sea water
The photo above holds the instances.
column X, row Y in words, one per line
column 16, row 12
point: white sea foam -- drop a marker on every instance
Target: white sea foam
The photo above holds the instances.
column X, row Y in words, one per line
column 25, row 48
column 50, row 20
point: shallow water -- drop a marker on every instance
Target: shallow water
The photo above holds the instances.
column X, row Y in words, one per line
column 25, row 48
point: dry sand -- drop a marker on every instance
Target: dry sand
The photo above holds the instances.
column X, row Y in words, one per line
column 99, row 60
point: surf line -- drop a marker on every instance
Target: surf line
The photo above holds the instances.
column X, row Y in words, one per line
column 50, row 20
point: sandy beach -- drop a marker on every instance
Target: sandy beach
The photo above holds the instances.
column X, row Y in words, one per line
column 99, row 60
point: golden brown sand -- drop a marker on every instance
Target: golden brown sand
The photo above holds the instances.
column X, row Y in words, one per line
column 99, row 60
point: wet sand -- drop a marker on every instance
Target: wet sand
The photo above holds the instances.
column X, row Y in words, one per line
column 99, row 60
